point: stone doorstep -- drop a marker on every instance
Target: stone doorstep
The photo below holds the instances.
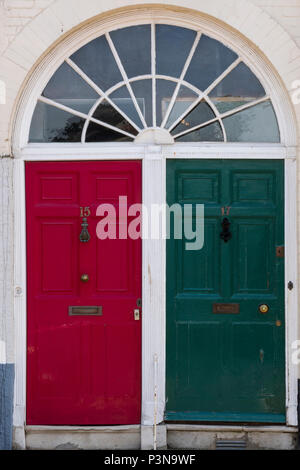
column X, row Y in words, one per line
column 183, row 436
column 171, row 436
column 83, row 437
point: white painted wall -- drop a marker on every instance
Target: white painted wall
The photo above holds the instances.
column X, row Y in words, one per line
column 286, row 13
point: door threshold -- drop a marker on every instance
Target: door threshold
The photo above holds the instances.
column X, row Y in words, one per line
column 233, row 428
column 75, row 428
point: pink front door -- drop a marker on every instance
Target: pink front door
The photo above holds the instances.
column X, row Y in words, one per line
column 84, row 342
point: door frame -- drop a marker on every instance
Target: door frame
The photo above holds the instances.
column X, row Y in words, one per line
column 153, row 258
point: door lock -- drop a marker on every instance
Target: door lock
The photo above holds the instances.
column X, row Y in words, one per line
column 136, row 313
column 263, row 308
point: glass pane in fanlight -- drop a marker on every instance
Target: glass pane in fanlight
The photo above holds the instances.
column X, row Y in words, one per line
column 173, row 45
column 184, row 100
column 238, row 88
column 122, row 99
column 209, row 61
column 142, row 90
column 210, row 133
column 200, row 114
column 256, row 124
column 164, row 92
column 97, row 133
column 98, row 63
column 68, row 88
column 50, row 124
column 133, row 46
column 108, row 114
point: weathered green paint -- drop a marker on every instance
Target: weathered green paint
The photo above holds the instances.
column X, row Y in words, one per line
column 220, row 366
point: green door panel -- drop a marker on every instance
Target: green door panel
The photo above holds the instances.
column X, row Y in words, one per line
column 227, row 366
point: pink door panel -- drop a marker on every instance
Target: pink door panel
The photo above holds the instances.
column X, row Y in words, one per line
column 81, row 369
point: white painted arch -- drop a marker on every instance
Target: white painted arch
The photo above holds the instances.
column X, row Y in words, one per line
column 64, row 17
column 46, row 67
column 154, row 157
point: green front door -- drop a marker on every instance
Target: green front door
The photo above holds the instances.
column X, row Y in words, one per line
column 225, row 357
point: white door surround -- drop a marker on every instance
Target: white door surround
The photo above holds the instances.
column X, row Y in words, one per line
column 154, row 191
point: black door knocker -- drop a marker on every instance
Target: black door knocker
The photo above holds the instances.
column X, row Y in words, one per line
column 84, row 235
column 225, row 235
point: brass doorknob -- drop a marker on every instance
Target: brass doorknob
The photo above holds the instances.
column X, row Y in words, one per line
column 263, row 308
column 84, row 278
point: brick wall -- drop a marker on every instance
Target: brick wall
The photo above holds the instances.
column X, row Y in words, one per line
column 285, row 12
column 15, row 14
column 29, row 27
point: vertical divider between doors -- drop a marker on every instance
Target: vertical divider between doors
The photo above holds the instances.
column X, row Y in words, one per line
column 154, row 192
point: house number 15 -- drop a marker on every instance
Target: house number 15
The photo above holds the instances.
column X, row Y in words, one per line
column 85, row 212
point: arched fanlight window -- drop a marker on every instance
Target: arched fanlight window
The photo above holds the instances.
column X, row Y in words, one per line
column 189, row 86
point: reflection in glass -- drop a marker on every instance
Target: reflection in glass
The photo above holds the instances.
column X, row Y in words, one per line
column 97, row 133
column 98, row 63
column 107, row 113
column 173, row 45
column 129, row 111
column 184, row 100
column 164, row 92
column 256, row 124
column 68, row 88
column 133, row 45
column 237, row 88
column 209, row 61
column 142, row 90
column 122, row 99
column 200, row 114
column 50, row 124
column 210, row 133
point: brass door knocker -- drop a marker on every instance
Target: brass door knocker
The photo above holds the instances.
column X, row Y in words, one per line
column 84, row 235
column 225, row 235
